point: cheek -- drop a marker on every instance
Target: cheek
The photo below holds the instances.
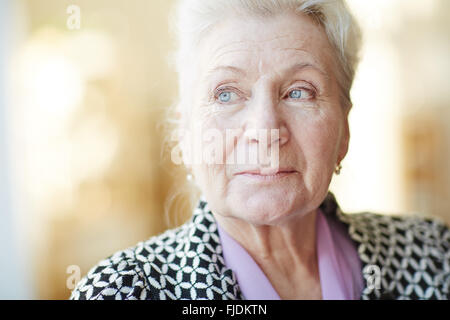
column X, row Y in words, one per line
column 221, row 135
column 207, row 146
column 318, row 138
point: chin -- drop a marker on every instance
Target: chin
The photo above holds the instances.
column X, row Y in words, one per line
column 265, row 208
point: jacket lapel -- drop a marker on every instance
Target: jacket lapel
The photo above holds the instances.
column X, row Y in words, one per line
column 204, row 228
column 372, row 246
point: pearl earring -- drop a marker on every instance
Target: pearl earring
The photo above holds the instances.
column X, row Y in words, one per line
column 189, row 177
column 338, row 169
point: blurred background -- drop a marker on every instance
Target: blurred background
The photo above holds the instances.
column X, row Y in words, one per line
column 84, row 88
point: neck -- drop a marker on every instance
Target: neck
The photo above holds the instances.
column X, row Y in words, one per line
column 285, row 252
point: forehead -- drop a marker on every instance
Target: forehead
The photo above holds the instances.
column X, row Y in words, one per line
column 262, row 43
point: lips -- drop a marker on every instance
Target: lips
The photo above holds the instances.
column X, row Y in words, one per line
column 267, row 172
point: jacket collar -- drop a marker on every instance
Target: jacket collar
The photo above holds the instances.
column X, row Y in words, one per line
column 203, row 230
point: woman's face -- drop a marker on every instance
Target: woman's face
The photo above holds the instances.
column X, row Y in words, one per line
column 256, row 76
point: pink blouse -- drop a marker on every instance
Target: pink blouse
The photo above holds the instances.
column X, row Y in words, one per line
column 339, row 264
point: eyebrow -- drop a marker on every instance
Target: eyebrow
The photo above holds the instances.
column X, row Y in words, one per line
column 226, row 68
column 290, row 70
column 299, row 66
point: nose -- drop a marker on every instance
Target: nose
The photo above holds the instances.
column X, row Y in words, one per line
column 271, row 135
column 265, row 121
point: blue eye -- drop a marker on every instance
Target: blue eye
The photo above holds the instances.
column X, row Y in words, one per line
column 301, row 94
column 296, row 94
column 225, row 96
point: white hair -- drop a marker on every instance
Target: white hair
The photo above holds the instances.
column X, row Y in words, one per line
column 193, row 18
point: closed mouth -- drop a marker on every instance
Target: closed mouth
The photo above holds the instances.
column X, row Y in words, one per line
column 267, row 173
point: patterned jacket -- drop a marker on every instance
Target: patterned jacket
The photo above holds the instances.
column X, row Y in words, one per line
column 402, row 258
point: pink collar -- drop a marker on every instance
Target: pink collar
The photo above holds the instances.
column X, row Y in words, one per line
column 339, row 264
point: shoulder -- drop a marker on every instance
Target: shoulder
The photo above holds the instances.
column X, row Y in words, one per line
column 411, row 252
column 420, row 230
column 367, row 226
column 116, row 277
column 130, row 274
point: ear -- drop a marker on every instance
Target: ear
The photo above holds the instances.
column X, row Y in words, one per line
column 181, row 136
column 345, row 139
column 182, row 149
column 184, row 144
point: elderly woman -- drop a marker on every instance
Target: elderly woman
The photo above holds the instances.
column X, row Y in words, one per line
column 272, row 231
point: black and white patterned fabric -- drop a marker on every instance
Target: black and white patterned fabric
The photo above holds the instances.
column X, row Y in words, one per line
column 409, row 255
